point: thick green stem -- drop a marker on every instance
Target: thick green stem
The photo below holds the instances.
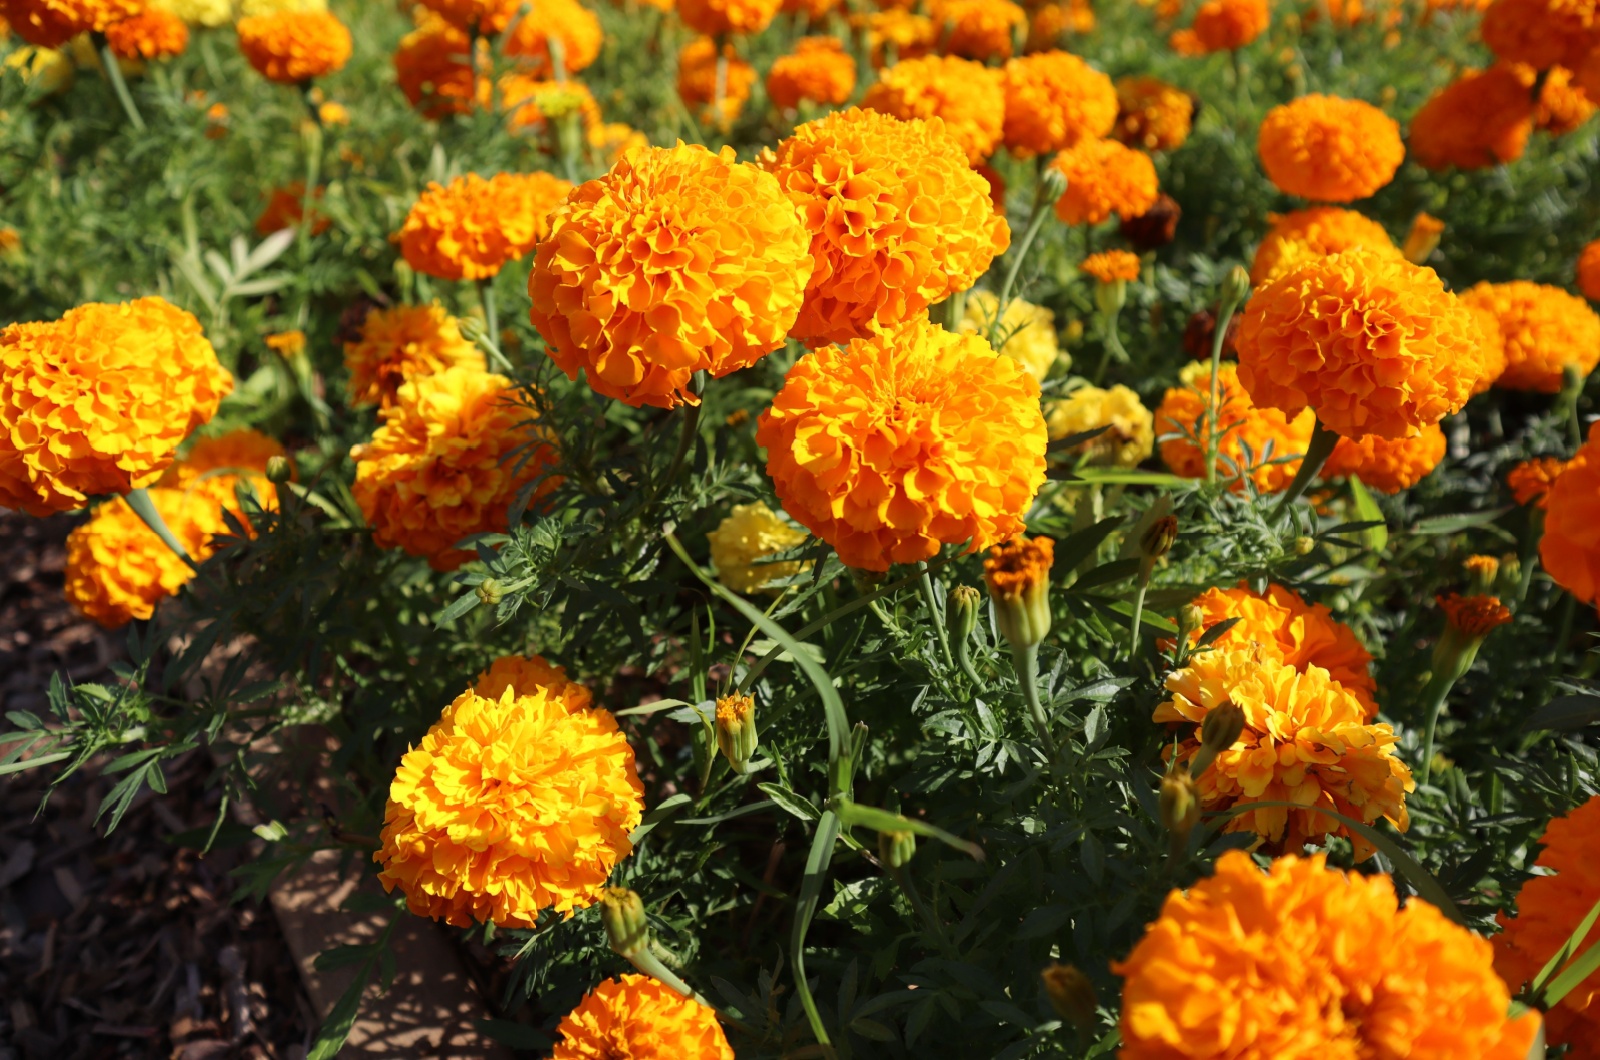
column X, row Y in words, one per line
column 934, row 614
column 651, row 965
column 1026, row 661
column 114, row 74
column 963, row 652
column 1433, row 697
column 1019, row 253
column 1571, row 391
column 1114, row 348
column 1322, row 442
column 145, row 509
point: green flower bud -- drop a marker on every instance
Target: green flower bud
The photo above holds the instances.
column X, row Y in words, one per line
column 279, row 470
column 1219, row 731
column 622, row 912
column 961, row 612
column 1109, row 298
column 1018, row 575
column 1235, row 287
column 736, row 730
column 895, row 849
column 1304, row 546
column 490, row 592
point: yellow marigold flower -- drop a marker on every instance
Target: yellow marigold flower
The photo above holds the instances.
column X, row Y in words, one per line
column 1372, row 343
column 697, row 80
column 472, row 228
column 1588, row 271
column 1131, row 435
column 1531, row 480
column 119, row 570
column 1330, row 149
column 907, row 35
column 214, row 466
column 45, row 68
column 397, row 345
column 507, row 807
column 432, row 69
column 978, row 29
column 285, row 207
column 1570, row 547
column 968, row 455
column 1542, row 33
column 1109, row 266
column 819, row 70
column 609, row 141
column 1545, row 329
column 677, row 261
column 333, row 113
column 1480, row 119
column 1273, row 965
column 1104, row 177
column 752, row 532
column 1051, row 23
column 151, row 34
column 99, row 400
column 966, row 95
column 860, row 179
column 637, row 1016
column 1306, row 740
column 1476, row 616
column 567, row 21
column 1295, row 237
column 254, row 8
column 526, row 675
column 209, row 13
column 52, row 23
column 716, row 18
column 451, row 454
column 1549, row 910
column 1053, row 100
column 294, row 46
column 1388, row 465
column 1027, row 333
column 1151, row 114
column 1181, row 421
column 1223, row 25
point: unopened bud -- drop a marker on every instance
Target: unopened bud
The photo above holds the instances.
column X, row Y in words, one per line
column 1235, row 287
column 1157, row 539
column 622, row 912
column 895, row 849
column 1303, row 546
column 472, row 329
column 1071, row 995
column 736, row 730
column 1179, row 805
column 961, row 612
column 1018, row 575
column 1423, row 239
column 279, row 470
column 1510, row 573
column 1220, row 730
column 1109, row 298
column 1055, row 183
column 1481, row 573
column 490, row 592
column 1191, row 618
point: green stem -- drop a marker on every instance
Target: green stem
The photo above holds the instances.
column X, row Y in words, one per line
column 145, row 509
column 651, row 965
column 1571, row 391
column 964, row 661
column 1026, row 661
column 308, row 197
column 1322, row 442
column 1434, row 695
column 1019, row 253
column 491, row 315
column 1225, row 311
column 1114, row 348
column 1138, row 615
column 811, row 889
column 932, row 599
column 108, row 61
column 688, row 429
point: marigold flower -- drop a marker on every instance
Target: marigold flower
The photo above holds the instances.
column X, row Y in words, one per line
column 98, row 401
column 1026, row 333
column 210, row 13
column 1052, row 101
column 1372, row 343
column 253, row 8
column 1223, row 25
column 1544, row 328
column 534, row 103
column 1295, row 237
column 1017, row 573
column 472, row 228
column 819, row 70
column 1104, row 177
column 433, row 70
column 1531, row 480
column 750, row 533
column 967, row 454
column 294, row 46
column 507, row 807
column 404, row 343
column 214, row 466
column 45, row 69
column 52, row 23
column 978, row 29
column 697, row 80
column 677, row 261
column 527, row 675
column 1268, row 434
column 1481, row 119
column 1388, row 465
column 1151, row 114
column 1050, row 23
column 813, row 10
column 451, row 454
column 1330, row 149
column 289, row 345
column 609, row 141
column 1587, row 75
column 1110, row 266
column 1130, row 436
column 1542, row 33
column 909, row 35
column 152, row 34
column 285, row 207
column 1570, row 547
column 119, row 570
column 638, row 1016
column 1283, row 959
column 859, row 179
column 1475, row 616
column 573, row 26
column 967, row 95
column 1588, row 271
column 1549, row 910
column 1563, row 106
column 716, row 18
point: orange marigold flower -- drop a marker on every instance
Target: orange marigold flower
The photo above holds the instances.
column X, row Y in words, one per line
column 1388, row 465
column 567, row 22
column 1014, row 568
column 907, row 35
column 1588, row 271
column 1545, row 329
column 1186, row 42
column 451, row 454
column 1493, row 347
column 98, row 401
column 1152, row 115
column 152, row 34
column 431, row 65
column 1542, row 33
column 1109, row 266
column 1476, row 615
column 609, row 141
column 1268, row 435
column 1480, row 119
column 1549, row 910
column 397, row 345
column 1531, row 480
column 968, row 455
column 1570, row 547
column 294, row 46
column 287, row 344
column 1283, row 959
column 678, row 260
column 966, row 95
column 819, row 70
column 1372, row 343
column 1306, row 740
column 697, row 80
column 859, row 179
column 978, row 29
column 1330, row 149
column 1563, row 106
column 1104, row 177
column 716, row 18
column 119, row 570
column 1223, row 25
column 285, row 207
column 472, row 228
column 813, row 10
column 1422, row 238
column 507, row 807
column 1050, row 23
column 637, row 1016
column 1295, row 237
column 51, row 23
column 1587, row 75
column 1053, row 100
column 533, row 103
column 527, row 674
column 215, row 466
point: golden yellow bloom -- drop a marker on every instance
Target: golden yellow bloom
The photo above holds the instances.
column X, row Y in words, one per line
column 333, row 113
column 214, row 466
column 716, row 18
column 98, row 401
column 609, row 141
column 1052, row 101
column 527, row 675
column 1480, row 119
column 1110, row 266
column 1545, row 330
column 1027, row 333
column 637, row 1016
column 1330, row 149
column 1151, row 114
column 1300, row 235
column 1050, row 23
column 1104, row 177
column 432, row 69
column 45, row 68
column 697, row 80
column 287, row 344
column 1372, row 343
column 1266, row 432
column 294, row 46
column 151, row 34
column 254, row 8
column 209, row 13
column 861, row 181
column 1283, row 965
column 905, row 441
column 510, row 806
column 1588, row 271
column 119, row 570
column 1531, row 480
column 1223, row 25
column 441, row 464
column 406, row 342
column 472, row 228
column 574, row 26
column 1542, row 33
column 51, row 23
column 819, row 70
column 1388, row 465
column 978, row 29
column 906, row 35
column 750, row 533
column 966, row 95
column 1131, row 433
column 677, row 261
column 1570, row 547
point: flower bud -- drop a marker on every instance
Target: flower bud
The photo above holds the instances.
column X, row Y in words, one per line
column 1154, row 228
column 1055, row 184
column 1468, row 620
column 1481, row 572
column 1157, row 539
column 1510, row 572
column 736, row 730
column 1071, row 995
column 1191, row 620
column 1219, row 730
column 1179, row 805
column 1423, row 239
column 472, row 329
column 490, row 592
column 895, row 849
column 961, row 612
column 1303, row 546
column 1109, row 298
column 622, row 912
column 279, row 470
column 1018, row 575
column 1235, row 287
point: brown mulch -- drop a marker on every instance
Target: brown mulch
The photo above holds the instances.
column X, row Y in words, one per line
column 124, row 945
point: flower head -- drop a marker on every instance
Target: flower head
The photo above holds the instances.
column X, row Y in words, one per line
column 1104, row 177
column 1563, row 106
column 1151, row 114
column 294, row 46
column 1130, row 432
column 472, row 228
column 51, row 23
column 1053, row 100
column 697, row 79
column 910, row 35
column 526, row 675
column 1588, row 271
column 966, row 95
column 211, row 13
column 433, row 67
column 1480, row 119
column 637, row 1016
column 1110, row 266
column 750, row 533
column 1223, row 25
column 285, row 208
column 290, row 345
column 678, row 260
column 1475, row 616
column 905, row 441
column 399, row 344
column 1542, row 33
column 1570, row 547
column 819, row 70
column 1388, row 465
column 1545, row 330
column 609, row 141
column 898, row 220
column 1295, row 237
column 717, row 18
column 216, row 465
column 1422, row 239
column 98, row 401
column 978, row 29
column 1532, row 480
column 1259, row 965
column 534, row 103
column 567, row 23
column 1182, row 419
column 152, row 34
column 1026, row 332
column 1017, row 573
column 1050, row 23
column 1330, row 149
column 119, row 570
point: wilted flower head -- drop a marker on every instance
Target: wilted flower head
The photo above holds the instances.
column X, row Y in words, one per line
column 119, row 570
column 294, row 46
column 1130, row 428
column 1388, row 465
column 966, row 95
column 400, row 344
column 752, row 532
column 472, row 228
column 1545, row 331
column 1330, row 149
column 819, row 70
column 637, row 1016
column 1053, row 100
column 1267, row 434
column 1104, row 177
column 1294, row 237
column 1025, row 332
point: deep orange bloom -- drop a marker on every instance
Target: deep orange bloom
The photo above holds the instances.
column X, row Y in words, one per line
column 573, row 26
column 286, row 206
column 1588, row 271
column 119, row 570
column 1329, row 149
column 1314, row 233
column 216, row 465
column 978, row 29
column 1570, row 547
column 1587, row 75
column 905, row 441
column 472, row 228
column 1052, row 101
column 1476, row 616
column 1563, row 106
column 1108, row 266
column 432, row 67
column 1531, row 480
column 51, row 23
column 819, row 70
column 1104, row 177
column 1014, row 568
column 1388, row 465
column 814, row 10
column 697, row 80
column 1542, row 33
column 1223, row 25
column 1050, row 23
column 403, row 343
column 637, row 1016
column 1494, row 343
column 1267, row 433
column 716, row 18
column 294, row 46
column 1152, row 115
column 152, row 34
column 966, row 95
column 1480, row 119
column 1545, row 330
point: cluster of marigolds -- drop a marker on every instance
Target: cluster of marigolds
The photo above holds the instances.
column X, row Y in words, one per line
column 893, row 437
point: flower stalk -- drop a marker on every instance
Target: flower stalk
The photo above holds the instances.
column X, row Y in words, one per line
column 1320, row 448
column 1235, row 289
column 108, row 62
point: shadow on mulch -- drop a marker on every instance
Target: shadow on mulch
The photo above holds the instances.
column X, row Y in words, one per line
column 123, row 945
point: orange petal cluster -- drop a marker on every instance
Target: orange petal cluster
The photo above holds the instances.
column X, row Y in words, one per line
column 1531, row 480
column 1388, row 465
column 119, row 570
column 1493, row 346
column 524, row 673
column 1104, row 177
column 1052, row 101
column 472, row 228
column 718, row 18
column 978, row 29
column 1314, row 233
column 433, row 71
column 1476, row 616
column 1267, row 433
column 152, row 34
column 286, row 206
column 1542, row 33
column 1152, row 115
column 1480, row 119
column 51, row 23
column 216, row 465
column 910, row 35
column 1109, row 266
column 1329, row 149
column 1588, row 271
column 1570, row 547
column 967, row 96
column 1014, row 568
column 819, row 71
column 637, row 1016
column 1223, row 25
column 697, row 80
column 1545, row 330
column 396, row 345
column 533, row 103
column 568, row 23
column 294, row 46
